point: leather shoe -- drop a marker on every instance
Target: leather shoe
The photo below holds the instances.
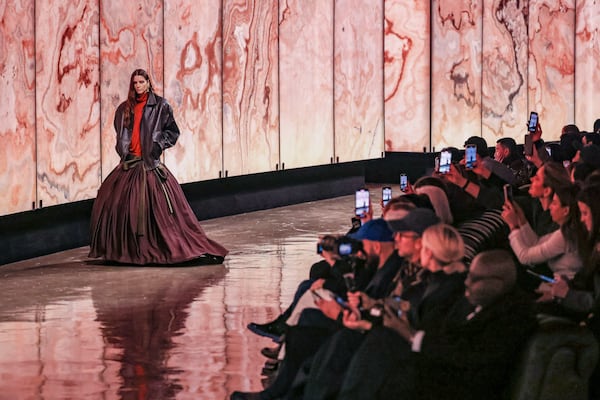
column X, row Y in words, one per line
column 274, row 330
column 270, row 352
column 245, row 396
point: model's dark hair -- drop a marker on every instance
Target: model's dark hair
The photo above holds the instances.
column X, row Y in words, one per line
column 131, row 95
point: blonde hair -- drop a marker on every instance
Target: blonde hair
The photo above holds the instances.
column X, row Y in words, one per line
column 446, row 245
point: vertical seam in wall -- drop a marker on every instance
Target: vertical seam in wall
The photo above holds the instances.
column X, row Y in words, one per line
column 100, row 86
column 35, row 108
column 222, row 23
column 575, row 64
column 481, row 76
column 333, row 80
column 383, row 71
column 431, row 5
column 278, row 85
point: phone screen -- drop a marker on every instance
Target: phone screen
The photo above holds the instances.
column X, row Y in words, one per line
column 533, row 121
column 386, row 194
column 403, row 182
column 361, row 202
column 445, row 161
column 470, row 156
column 508, row 193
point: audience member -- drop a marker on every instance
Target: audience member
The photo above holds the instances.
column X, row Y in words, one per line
column 508, row 154
column 558, row 249
column 469, row 354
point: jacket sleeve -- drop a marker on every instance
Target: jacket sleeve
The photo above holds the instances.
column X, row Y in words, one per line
column 169, row 132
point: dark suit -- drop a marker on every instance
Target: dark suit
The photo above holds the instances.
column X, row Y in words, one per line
column 459, row 359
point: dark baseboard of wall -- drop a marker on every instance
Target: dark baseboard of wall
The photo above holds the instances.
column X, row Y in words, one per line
column 58, row 228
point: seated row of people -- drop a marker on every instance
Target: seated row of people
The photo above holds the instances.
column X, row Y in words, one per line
column 409, row 305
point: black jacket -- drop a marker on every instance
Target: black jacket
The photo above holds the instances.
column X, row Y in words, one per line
column 158, row 130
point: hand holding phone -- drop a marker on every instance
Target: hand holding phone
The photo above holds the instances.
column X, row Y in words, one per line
column 386, row 195
column 445, row 161
column 533, row 122
column 362, row 202
column 403, row 182
column 470, row 156
column 508, row 193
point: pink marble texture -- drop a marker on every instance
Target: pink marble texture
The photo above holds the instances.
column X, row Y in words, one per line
column 67, row 100
column 406, row 74
column 456, row 72
column 193, row 69
column 587, row 67
column 358, row 74
column 504, row 71
column 552, row 64
column 250, row 86
column 17, row 111
column 306, row 82
column 131, row 37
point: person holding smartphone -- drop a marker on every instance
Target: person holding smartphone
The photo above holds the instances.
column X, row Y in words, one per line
column 558, row 249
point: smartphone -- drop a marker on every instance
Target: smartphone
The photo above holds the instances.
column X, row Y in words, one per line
column 542, row 277
column 533, row 122
column 508, row 192
column 470, row 156
column 395, row 303
column 403, row 182
column 342, row 302
column 319, row 248
column 386, row 194
column 445, row 161
column 362, row 202
column 528, row 146
column 436, row 164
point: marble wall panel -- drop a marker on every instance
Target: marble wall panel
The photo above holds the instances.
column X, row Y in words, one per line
column 250, row 86
column 587, row 67
column 552, row 64
column 131, row 37
column 67, row 100
column 504, row 70
column 358, row 76
column 306, row 82
column 17, row 109
column 193, row 69
column 456, row 72
column 406, row 74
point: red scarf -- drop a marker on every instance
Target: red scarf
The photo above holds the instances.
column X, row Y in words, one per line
column 135, row 147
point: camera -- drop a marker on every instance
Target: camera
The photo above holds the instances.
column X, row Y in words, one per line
column 344, row 246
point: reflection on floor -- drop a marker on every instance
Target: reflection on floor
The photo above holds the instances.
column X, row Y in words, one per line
column 71, row 328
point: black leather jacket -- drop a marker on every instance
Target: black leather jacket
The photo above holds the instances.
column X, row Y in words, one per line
column 158, row 130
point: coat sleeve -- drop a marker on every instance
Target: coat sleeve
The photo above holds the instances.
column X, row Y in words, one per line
column 169, row 132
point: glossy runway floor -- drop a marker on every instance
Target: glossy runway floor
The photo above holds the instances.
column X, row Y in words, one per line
column 71, row 328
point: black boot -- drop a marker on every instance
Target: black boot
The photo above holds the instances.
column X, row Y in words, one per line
column 274, row 330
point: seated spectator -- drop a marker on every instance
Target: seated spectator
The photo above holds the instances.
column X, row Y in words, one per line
column 508, row 154
column 557, row 249
column 469, row 354
column 440, row 285
column 498, row 170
